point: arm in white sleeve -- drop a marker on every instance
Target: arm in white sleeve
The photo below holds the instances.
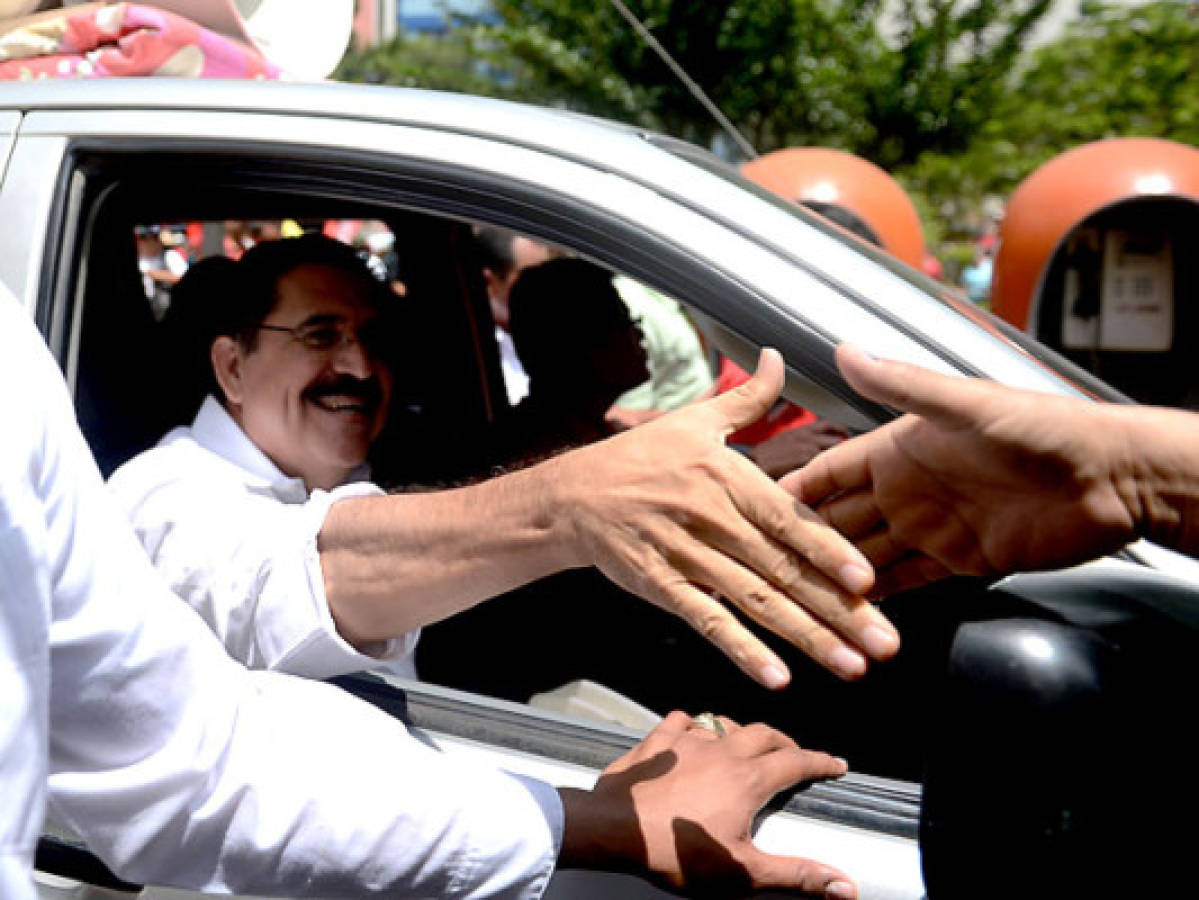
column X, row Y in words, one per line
column 176, row 764
column 246, row 561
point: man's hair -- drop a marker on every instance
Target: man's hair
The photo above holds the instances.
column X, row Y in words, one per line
column 494, row 249
column 559, row 307
column 187, row 329
column 254, row 290
column 845, row 217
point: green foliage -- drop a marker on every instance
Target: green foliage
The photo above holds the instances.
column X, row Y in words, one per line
column 587, row 56
column 424, row 61
column 938, row 91
column 787, row 72
column 925, row 81
column 1117, row 71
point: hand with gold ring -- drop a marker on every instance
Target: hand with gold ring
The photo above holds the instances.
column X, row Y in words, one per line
column 678, row 808
column 709, row 722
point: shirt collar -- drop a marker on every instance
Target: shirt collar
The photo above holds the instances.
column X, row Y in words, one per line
column 215, row 430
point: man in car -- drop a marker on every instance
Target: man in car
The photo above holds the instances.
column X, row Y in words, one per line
column 981, row 479
column 260, row 517
column 124, row 721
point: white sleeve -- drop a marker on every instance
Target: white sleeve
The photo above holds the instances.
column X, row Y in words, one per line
column 179, row 766
column 245, row 561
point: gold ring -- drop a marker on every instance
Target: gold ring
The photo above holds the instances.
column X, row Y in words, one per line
column 709, row 722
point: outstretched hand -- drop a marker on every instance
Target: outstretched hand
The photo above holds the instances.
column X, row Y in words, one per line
column 978, row 479
column 678, row 808
column 678, row 517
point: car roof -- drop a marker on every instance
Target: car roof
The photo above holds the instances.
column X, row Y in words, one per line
column 564, row 131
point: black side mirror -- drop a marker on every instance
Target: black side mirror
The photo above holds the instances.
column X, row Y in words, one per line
column 1063, row 763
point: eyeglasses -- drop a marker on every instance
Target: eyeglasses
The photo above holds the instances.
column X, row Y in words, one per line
column 324, row 337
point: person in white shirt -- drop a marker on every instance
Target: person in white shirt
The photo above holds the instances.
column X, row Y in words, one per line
column 124, row 721
column 310, row 586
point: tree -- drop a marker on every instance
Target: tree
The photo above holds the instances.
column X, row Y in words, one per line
column 938, row 91
column 1117, row 71
column 587, row 57
column 926, row 78
column 787, row 72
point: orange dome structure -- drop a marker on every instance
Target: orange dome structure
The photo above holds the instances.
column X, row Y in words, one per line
column 822, row 178
column 1099, row 259
column 1067, row 190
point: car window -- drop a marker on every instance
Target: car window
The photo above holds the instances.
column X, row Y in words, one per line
column 573, row 643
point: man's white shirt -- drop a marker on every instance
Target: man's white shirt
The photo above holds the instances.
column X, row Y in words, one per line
column 124, row 719
column 237, row 540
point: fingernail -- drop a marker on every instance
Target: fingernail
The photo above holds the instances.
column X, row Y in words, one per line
column 844, row 762
column 848, row 663
column 855, row 577
column 774, row 677
column 879, row 642
column 842, row 890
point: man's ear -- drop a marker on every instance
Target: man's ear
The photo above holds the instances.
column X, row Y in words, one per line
column 226, row 356
column 497, row 296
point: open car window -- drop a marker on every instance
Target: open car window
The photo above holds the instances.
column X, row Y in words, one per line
column 573, row 644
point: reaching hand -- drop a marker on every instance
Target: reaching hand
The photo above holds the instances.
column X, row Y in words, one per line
column 979, row 480
column 679, row 805
column 668, row 512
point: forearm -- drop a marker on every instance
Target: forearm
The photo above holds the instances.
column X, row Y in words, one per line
column 395, row 563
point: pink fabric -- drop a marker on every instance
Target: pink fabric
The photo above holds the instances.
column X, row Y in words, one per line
column 125, row 39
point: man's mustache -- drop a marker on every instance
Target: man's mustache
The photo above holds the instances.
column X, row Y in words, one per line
column 366, row 389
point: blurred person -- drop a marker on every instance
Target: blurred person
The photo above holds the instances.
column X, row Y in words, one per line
column 503, row 255
column 679, row 371
column 262, row 517
column 161, row 267
column 264, row 230
column 126, row 724
column 581, row 350
column 976, row 277
column 931, row 266
column 382, row 259
column 237, row 238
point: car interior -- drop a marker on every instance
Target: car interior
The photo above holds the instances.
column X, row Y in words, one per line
column 126, row 367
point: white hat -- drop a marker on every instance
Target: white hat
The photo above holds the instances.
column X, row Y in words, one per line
column 305, row 38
